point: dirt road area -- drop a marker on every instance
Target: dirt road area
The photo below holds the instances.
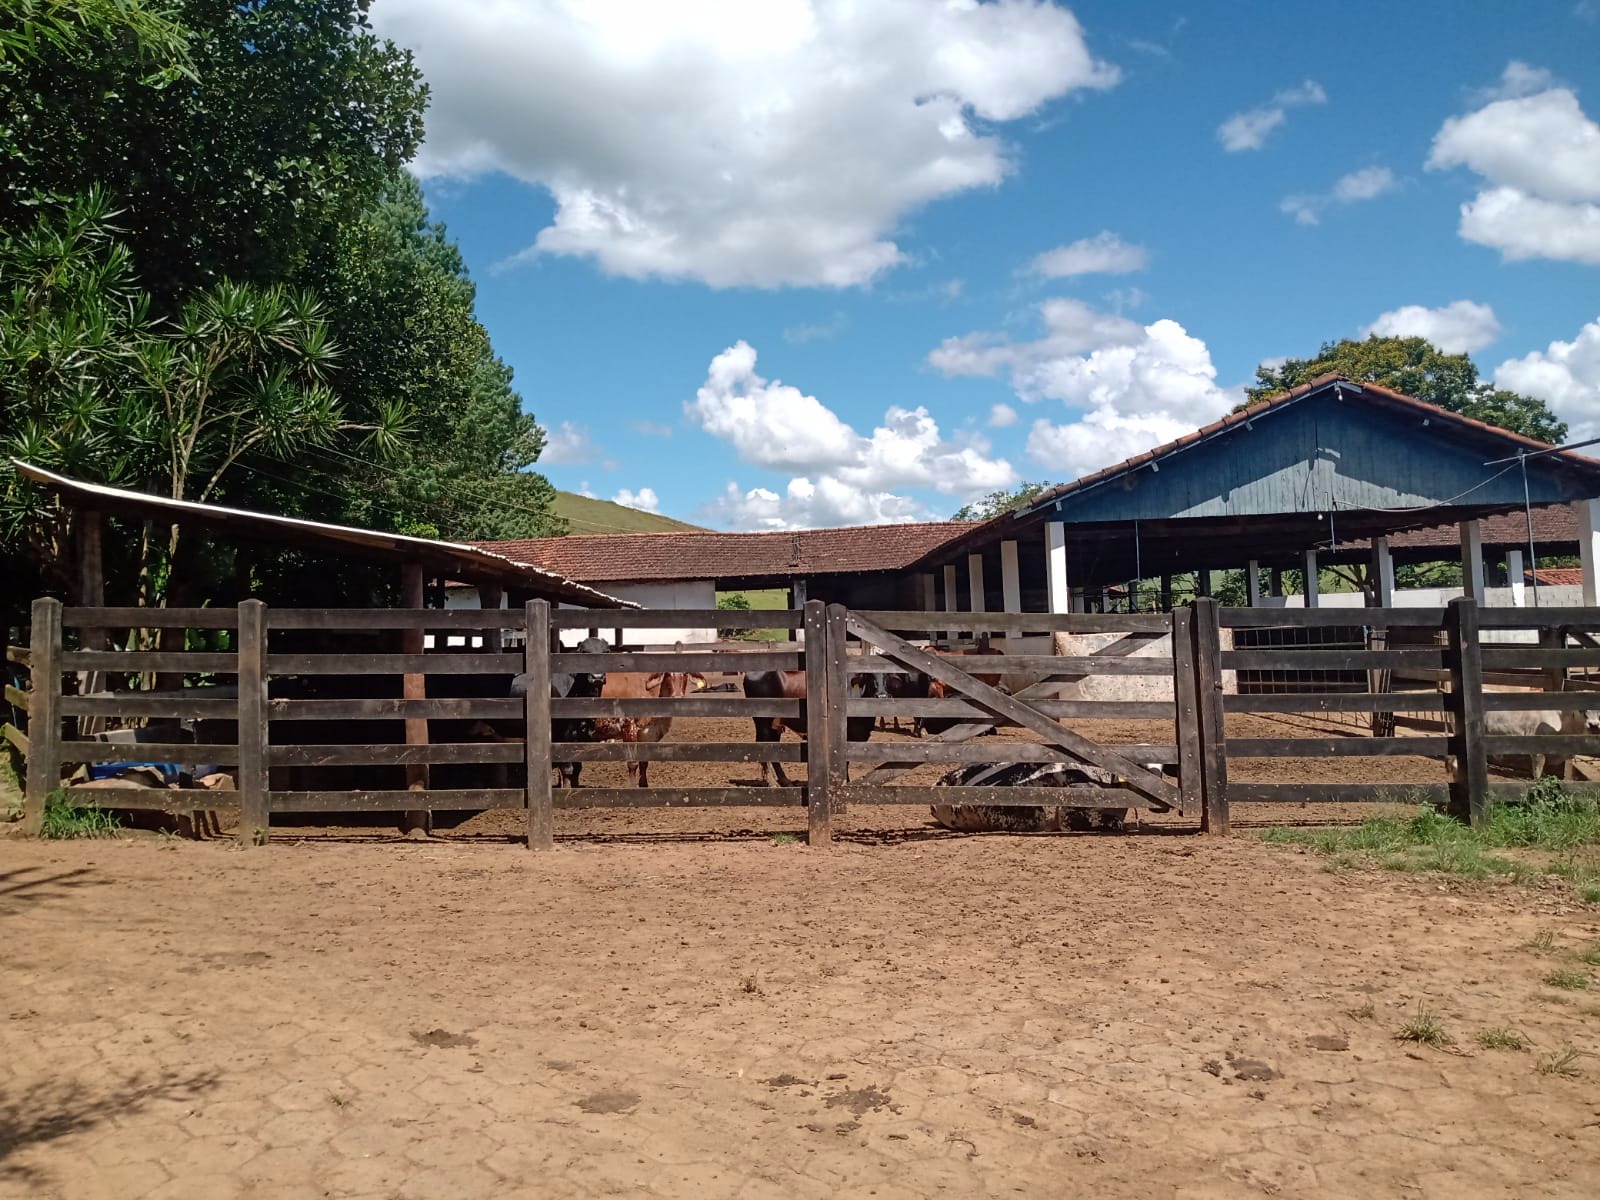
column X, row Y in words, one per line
column 1141, row 1016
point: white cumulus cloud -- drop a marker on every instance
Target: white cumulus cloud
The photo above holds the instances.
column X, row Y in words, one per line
column 736, row 143
column 645, row 499
column 1129, row 386
column 1566, row 376
column 1460, row 327
column 1002, row 415
column 1248, row 130
column 1539, row 159
column 568, row 444
column 1368, row 183
column 838, row 475
column 1103, row 254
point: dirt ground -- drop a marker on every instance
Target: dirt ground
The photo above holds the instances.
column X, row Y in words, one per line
column 649, row 1012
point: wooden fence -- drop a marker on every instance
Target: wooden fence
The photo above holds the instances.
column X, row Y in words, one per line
column 359, row 719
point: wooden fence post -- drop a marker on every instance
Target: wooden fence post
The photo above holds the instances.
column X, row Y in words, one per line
column 254, row 811
column 1208, row 701
column 1470, row 788
column 819, row 745
column 838, row 642
column 536, row 726
column 44, row 712
column 1190, row 787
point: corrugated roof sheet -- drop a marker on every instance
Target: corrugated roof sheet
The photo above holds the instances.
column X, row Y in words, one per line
column 661, row 557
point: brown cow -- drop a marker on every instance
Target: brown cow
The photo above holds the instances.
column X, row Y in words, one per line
column 791, row 685
column 636, row 685
column 938, row 690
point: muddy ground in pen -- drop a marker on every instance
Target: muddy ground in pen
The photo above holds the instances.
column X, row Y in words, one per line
column 679, row 1003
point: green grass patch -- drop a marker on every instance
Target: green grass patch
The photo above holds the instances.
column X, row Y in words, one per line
column 1590, row 954
column 64, row 819
column 1502, row 1038
column 1562, row 1063
column 1423, row 1028
column 785, row 839
column 1568, row 980
column 1546, row 821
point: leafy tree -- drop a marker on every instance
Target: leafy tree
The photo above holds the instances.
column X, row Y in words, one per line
column 996, row 503
column 1416, row 368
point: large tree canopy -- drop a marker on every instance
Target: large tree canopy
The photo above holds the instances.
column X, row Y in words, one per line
column 1416, row 368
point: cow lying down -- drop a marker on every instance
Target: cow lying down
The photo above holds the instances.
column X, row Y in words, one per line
column 981, row 818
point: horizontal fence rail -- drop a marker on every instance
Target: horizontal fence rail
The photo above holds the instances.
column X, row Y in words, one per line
column 375, row 723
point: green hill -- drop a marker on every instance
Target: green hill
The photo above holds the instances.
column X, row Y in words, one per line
column 587, row 515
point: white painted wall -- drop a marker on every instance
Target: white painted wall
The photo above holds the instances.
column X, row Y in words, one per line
column 700, row 593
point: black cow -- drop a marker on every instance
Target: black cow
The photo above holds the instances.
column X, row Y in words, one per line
column 791, row 685
column 571, row 685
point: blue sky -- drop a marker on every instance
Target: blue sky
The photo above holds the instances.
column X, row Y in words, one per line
column 779, row 265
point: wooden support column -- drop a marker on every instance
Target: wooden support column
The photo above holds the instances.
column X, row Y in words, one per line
column 252, row 783
column 797, row 600
column 1275, row 582
column 1010, row 577
column 952, row 599
column 536, row 725
column 44, row 712
column 1191, row 788
column 975, row 592
column 1313, row 582
column 1166, row 593
column 1252, row 583
column 492, row 596
column 91, row 594
column 819, row 745
column 1472, row 559
column 928, row 590
column 1202, row 583
column 1382, row 569
column 1516, row 579
column 414, row 822
column 1588, row 514
column 1470, row 788
column 1055, row 552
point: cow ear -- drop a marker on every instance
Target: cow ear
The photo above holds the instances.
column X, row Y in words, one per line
column 654, row 682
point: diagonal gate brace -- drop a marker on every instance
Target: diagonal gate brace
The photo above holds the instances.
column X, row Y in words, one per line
column 1146, row 783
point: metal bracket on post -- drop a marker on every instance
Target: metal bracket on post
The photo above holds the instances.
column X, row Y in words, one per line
column 536, row 726
column 44, row 712
column 819, row 747
column 1469, row 791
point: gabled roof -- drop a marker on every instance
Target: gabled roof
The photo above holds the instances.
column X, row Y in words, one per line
column 1555, row 576
column 776, row 555
column 456, row 560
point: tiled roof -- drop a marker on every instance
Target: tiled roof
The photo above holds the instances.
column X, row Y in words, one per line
column 1551, row 523
column 1556, row 576
column 645, row 557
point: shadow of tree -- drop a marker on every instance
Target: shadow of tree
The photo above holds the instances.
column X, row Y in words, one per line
column 31, row 883
column 55, row 1108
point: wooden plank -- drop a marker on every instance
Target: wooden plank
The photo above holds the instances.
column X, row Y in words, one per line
column 1329, row 660
column 710, row 662
column 1529, row 657
column 414, row 686
column 1186, row 712
column 819, row 730
column 725, row 752
column 1337, row 793
column 1534, row 618
column 384, row 619
column 1472, row 763
column 150, row 618
column 954, row 706
column 158, row 799
column 745, row 797
column 16, row 737
column 997, row 752
column 252, row 782
column 675, row 618
column 44, row 717
column 836, row 650
column 536, row 722
column 1214, row 746
column 19, row 655
column 415, row 663
column 1018, row 623
column 1338, row 747
column 999, row 797
column 1302, row 618
column 1311, row 702
column 16, row 697
column 1061, row 665
column 392, row 755
column 441, row 708
column 1504, row 790
column 1001, row 704
column 1540, row 701
column 1542, row 743
column 393, row 801
column 131, row 661
column 677, row 706
column 187, row 754
column 132, row 704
